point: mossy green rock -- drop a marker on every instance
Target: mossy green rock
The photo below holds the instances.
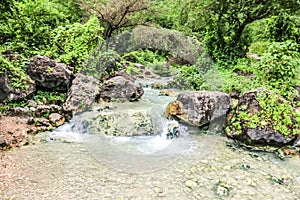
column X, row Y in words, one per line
column 262, row 117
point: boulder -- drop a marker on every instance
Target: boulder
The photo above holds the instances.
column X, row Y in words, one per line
column 167, row 92
column 255, row 118
column 56, row 119
column 11, row 92
column 121, row 89
column 82, row 93
column 199, row 108
column 158, row 85
column 50, row 74
column 131, row 122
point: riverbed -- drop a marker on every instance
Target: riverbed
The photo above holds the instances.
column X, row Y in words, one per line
column 64, row 164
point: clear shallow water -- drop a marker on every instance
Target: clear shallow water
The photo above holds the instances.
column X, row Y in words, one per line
column 66, row 164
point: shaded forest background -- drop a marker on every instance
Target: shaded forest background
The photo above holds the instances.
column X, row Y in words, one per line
column 68, row 31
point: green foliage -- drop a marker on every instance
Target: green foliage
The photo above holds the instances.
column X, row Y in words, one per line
column 227, row 37
column 71, row 44
column 150, row 59
column 279, row 67
column 276, row 113
column 259, row 47
column 187, row 16
column 25, row 26
column 198, row 76
column 284, row 27
column 145, row 57
column 15, row 70
column 49, row 97
column 190, row 77
column 100, row 64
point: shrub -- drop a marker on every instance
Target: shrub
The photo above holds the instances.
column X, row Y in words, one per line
column 259, row 47
column 26, row 26
column 279, row 67
column 72, row 44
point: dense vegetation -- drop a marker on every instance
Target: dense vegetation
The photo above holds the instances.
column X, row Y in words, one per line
column 69, row 31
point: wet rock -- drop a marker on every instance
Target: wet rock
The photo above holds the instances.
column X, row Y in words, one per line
column 50, row 74
column 132, row 122
column 145, row 73
column 125, row 75
column 56, row 119
column 120, row 89
column 82, row 94
column 158, row 85
column 167, row 92
column 263, row 132
column 201, row 107
column 173, row 109
column 11, row 92
column 172, row 129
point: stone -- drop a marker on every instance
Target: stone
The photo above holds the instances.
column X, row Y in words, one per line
column 263, row 133
column 56, row 119
column 173, row 109
column 121, row 89
column 50, row 74
column 7, row 91
column 200, row 108
column 167, row 92
column 132, row 122
column 82, row 94
column 190, row 184
column 172, row 129
column 158, row 85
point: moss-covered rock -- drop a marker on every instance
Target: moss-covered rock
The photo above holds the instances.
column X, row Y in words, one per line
column 262, row 117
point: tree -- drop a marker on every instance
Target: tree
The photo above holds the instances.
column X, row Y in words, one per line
column 25, row 26
column 115, row 14
column 226, row 37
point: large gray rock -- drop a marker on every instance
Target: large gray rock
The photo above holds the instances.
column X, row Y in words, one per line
column 50, row 74
column 8, row 91
column 127, row 123
column 82, row 93
column 199, row 108
column 257, row 128
column 121, row 89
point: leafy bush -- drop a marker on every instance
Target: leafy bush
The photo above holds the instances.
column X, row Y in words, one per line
column 25, row 26
column 279, row 67
column 145, row 57
column 100, row 64
column 259, row 47
column 72, row 44
column 16, row 72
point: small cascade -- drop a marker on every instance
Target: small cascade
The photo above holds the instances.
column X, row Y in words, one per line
column 171, row 130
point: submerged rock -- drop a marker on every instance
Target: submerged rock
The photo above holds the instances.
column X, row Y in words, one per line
column 131, row 122
column 121, row 89
column 50, row 74
column 199, row 108
column 263, row 118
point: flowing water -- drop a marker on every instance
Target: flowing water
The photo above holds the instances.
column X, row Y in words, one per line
column 73, row 162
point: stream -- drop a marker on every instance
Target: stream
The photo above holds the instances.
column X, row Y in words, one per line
column 78, row 161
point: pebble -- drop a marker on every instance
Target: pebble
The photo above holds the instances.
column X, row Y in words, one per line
column 190, row 184
column 158, row 190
